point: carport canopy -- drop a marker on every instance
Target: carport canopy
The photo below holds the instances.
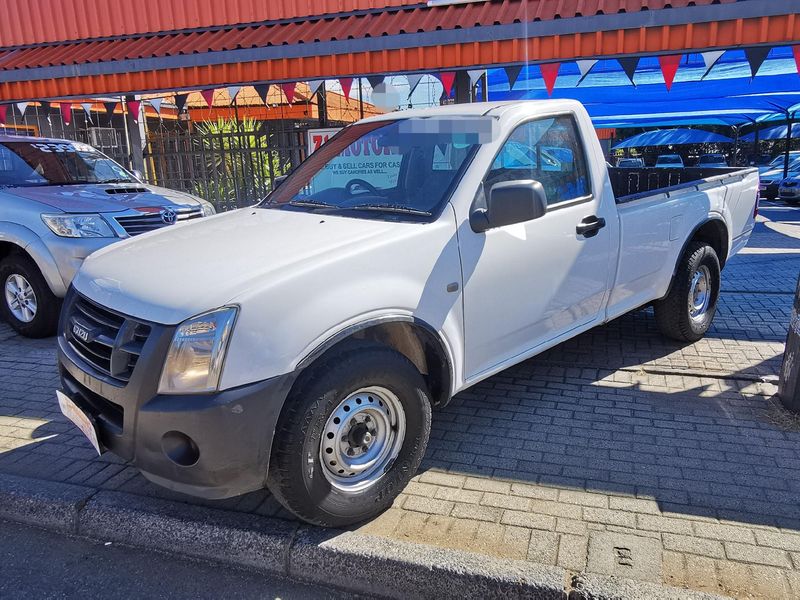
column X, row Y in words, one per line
column 673, row 137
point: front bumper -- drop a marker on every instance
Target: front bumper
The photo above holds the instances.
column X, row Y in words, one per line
column 207, row 445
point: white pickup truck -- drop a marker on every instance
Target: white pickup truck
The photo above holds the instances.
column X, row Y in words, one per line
column 300, row 344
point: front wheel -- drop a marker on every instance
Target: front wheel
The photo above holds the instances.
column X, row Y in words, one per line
column 350, row 437
column 687, row 311
column 26, row 301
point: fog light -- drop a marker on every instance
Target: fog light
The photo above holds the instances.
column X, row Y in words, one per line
column 180, row 448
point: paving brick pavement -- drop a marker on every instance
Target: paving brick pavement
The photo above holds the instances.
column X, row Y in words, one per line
column 617, row 452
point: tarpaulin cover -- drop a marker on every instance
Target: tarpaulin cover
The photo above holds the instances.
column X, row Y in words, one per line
column 672, row 137
column 773, row 133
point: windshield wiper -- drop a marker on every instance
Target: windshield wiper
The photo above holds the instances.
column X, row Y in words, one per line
column 116, row 181
column 393, row 208
column 309, row 204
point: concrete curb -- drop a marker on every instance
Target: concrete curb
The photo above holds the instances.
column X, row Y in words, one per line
column 346, row 560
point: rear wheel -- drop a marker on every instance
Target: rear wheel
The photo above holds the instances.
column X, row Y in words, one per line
column 688, row 310
column 26, row 301
column 352, row 434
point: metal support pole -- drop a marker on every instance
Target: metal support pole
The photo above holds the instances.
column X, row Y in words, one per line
column 789, row 378
column 788, row 144
column 322, row 106
column 360, row 99
column 734, row 162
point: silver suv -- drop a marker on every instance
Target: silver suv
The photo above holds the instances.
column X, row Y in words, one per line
column 59, row 202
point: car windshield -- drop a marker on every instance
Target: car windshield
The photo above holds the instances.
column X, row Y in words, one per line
column 712, row 158
column 669, row 160
column 403, row 167
column 27, row 163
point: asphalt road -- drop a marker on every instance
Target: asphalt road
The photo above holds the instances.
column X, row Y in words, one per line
column 37, row 564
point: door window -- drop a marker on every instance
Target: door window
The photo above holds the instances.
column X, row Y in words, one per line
column 548, row 151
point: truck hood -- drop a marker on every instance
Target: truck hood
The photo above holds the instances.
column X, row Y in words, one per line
column 169, row 275
column 97, row 198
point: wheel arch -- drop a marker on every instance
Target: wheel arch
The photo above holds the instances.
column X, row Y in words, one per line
column 712, row 231
column 412, row 337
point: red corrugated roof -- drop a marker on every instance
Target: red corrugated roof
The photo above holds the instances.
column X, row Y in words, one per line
column 387, row 22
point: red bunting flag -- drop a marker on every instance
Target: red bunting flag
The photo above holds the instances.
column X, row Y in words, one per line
column 208, row 96
column 796, row 50
column 66, row 112
column 447, row 78
column 3, row 111
column 550, row 74
column 133, row 108
column 288, row 90
column 346, row 83
column 669, row 66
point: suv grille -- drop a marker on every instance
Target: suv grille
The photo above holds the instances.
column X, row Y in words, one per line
column 158, row 218
column 108, row 341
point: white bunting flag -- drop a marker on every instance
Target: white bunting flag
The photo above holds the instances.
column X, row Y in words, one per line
column 233, row 90
column 413, row 82
column 710, row 59
column 585, row 67
column 475, row 74
column 22, row 107
column 156, row 104
column 87, row 108
column 314, row 85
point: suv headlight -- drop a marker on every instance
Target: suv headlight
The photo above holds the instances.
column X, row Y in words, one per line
column 79, row 226
column 208, row 208
column 197, row 352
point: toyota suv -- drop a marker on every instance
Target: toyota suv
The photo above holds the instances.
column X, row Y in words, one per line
column 59, row 202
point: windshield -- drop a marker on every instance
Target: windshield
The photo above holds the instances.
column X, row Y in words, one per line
column 406, row 166
column 27, row 163
column 669, row 160
column 712, row 158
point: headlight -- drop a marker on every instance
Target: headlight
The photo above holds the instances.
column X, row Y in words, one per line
column 208, row 208
column 79, row 226
column 195, row 357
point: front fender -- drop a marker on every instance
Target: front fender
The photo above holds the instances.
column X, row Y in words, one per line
column 29, row 242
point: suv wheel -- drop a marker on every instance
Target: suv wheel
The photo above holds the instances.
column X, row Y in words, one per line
column 351, row 435
column 26, row 301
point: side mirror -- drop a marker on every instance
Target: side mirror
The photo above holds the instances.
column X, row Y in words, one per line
column 278, row 180
column 510, row 202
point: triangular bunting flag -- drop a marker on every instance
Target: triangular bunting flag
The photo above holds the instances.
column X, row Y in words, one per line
column 756, row 57
column 513, row 73
column 109, row 106
column 475, row 75
column 133, row 108
column 3, row 113
column 87, row 108
column 413, row 82
column 22, row 107
column 346, row 83
column 585, row 67
column 447, row 78
column 669, row 66
column 208, row 96
column 288, row 90
column 262, row 89
column 710, row 58
column 375, row 80
column 314, row 85
column 156, row 104
column 233, row 91
column 180, row 101
column 66, row 112
column 629, row 64
column 796, row 51
column 550, row 74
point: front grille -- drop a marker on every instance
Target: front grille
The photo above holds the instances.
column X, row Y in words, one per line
column 150, row 221
column 108, row 341
column 106, row 413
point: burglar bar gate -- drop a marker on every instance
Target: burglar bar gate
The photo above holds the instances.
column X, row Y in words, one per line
column 231, row 164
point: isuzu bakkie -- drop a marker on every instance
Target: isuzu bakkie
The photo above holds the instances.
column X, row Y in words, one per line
column 301, row 344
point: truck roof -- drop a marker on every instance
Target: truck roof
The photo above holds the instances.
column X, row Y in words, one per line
column 473, row 109
column 29, row 138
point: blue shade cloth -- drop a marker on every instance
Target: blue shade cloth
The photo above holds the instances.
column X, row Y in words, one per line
column 773, row 133
column 728, row 95
column 673, row 137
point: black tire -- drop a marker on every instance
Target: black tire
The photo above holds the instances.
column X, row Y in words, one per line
column 45, row 321
column 296, row 477
column 673, row 312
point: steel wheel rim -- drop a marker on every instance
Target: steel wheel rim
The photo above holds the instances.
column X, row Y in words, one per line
column 20, row 298
column 700, row 294
column 362, row 438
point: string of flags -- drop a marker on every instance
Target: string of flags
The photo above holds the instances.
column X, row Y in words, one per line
column 383, row 89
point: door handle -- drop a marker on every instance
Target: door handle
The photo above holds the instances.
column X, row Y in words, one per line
column 589, row 226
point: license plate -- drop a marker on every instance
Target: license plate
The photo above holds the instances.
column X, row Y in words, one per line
column 83, row 421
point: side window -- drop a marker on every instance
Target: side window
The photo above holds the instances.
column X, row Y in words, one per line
column 549, row 151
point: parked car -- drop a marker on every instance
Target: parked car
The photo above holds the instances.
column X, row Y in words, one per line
column 789, row 189
column 669, row 161
column 770, row 180
column 630, row 163
column 301, row 344
column 59, row 202
column 777, row 162
column 712, row 160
